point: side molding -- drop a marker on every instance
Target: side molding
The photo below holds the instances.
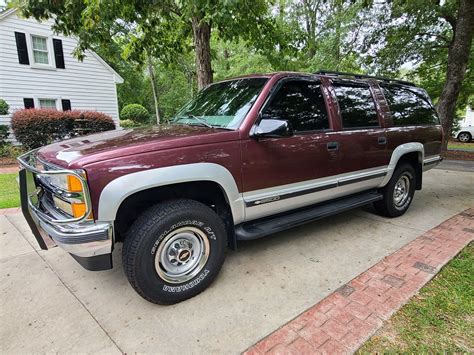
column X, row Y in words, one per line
column 398, row 153
column 116, row 191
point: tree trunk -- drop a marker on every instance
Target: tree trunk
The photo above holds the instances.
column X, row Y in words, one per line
column 458, row 58
column 202, row 44
column 151, row 72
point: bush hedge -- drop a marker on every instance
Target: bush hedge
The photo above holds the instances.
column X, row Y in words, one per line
column 128, row 124
column 135, row 112
column 4, row 107
column 4, row 133
column 37, row 127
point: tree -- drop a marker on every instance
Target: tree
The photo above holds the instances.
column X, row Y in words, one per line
column 435, row 37
column 159, row 28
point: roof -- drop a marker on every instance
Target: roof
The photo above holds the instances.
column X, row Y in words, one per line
column 117, row 78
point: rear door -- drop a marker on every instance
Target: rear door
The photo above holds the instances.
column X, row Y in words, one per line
column 362, row 139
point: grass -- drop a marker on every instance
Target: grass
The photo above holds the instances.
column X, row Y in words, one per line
column 440, row 319
column 9, row 193
column 459, row 145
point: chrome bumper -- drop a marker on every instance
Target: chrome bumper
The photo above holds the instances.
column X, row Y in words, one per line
column 83, row 239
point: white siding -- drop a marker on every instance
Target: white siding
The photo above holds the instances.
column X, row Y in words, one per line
column 90, row 85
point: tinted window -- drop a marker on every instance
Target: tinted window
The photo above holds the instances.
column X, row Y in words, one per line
column 357, row 106
column 409, row 106
column 301, row 103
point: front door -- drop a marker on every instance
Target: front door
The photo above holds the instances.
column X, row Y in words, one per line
column 280, row 174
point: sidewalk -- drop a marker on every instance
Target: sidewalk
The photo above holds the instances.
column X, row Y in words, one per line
column 347, row 318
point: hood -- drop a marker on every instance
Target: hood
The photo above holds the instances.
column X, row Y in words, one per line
column 78, row 152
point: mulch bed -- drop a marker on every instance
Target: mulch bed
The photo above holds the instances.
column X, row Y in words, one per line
column 458, row 155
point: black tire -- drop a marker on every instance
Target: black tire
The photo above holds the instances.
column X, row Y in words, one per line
column 464, row 137
column 388, row 206
column 155, row 226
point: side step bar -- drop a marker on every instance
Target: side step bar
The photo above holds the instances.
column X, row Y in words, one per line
column 269, row 225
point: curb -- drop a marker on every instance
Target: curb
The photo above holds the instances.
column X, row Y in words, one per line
column 344, row 320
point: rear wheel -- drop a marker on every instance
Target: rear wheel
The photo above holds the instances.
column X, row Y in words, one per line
column 399, row 192
column 174, row 250
column 464, row 137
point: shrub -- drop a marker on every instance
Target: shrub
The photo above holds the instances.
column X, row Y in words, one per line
column 128, row 124
column 135, row 112
column 37, row 127
column 4, row 133
column 4, row 107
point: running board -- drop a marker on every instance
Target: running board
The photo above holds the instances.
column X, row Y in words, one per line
column 269, row 225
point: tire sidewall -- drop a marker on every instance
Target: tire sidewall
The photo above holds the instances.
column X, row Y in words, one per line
column 465, row 134
column 410, row 173
column 151, row 283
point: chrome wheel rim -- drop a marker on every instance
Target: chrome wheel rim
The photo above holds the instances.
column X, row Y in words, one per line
column 464, row 137
column 402, row 191
column 182, row 254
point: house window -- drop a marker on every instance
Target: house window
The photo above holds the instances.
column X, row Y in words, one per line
column 47, row 103
column 40, row 49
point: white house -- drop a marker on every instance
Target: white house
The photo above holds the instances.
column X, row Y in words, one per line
column 37, row 69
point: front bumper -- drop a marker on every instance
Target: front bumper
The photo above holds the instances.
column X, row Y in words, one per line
column 90, row 243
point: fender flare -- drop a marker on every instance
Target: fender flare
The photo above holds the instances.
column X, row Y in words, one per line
column 400, row 151
column 116, row 191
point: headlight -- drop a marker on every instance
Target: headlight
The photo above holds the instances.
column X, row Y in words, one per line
column 70, row 196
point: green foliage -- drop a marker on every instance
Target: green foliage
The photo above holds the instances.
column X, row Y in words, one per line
column 4, row 133
column 136, row 113
column 4, row 107
column 418, row 33
column 128, row 124
column 396, row 38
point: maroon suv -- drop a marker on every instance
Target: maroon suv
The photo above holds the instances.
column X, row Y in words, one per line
column 247, row 157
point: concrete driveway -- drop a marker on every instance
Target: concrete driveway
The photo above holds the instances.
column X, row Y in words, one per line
column 50, row 304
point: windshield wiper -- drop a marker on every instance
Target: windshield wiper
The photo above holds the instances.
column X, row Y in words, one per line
column 200, row 120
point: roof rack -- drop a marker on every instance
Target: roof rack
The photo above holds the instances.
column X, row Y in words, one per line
column 363, row 76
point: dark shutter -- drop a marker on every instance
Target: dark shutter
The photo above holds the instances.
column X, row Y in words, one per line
column 58, row 53
column 66, row 105
column 21, row 48
column 29, row 103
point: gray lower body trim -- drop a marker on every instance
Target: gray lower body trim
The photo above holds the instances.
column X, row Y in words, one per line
column 262, row 203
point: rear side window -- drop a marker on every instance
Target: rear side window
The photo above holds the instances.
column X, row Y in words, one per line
column 357, row 106
column 409, row 106
column 301, row 103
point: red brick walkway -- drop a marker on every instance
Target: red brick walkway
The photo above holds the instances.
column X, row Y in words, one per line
column 344, row 320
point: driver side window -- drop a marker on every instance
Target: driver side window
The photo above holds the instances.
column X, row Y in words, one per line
column 301, row 103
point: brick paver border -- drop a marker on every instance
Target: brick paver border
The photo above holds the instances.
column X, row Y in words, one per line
column 344, row 320
column 5, row 211
column 11, row 169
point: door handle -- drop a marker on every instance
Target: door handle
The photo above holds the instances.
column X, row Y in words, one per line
column 333, row 146
column 382, row 140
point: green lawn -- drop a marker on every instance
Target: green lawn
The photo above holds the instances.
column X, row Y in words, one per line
column 9, row 194
column 459, row 145
column 438, row 320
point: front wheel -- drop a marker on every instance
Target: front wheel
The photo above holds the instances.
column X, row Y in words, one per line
column 174, row 250
column 399, row 192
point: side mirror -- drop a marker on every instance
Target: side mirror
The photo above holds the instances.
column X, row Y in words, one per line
column 273, row 128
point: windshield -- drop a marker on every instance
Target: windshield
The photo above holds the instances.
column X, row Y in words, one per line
column 222, row 105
